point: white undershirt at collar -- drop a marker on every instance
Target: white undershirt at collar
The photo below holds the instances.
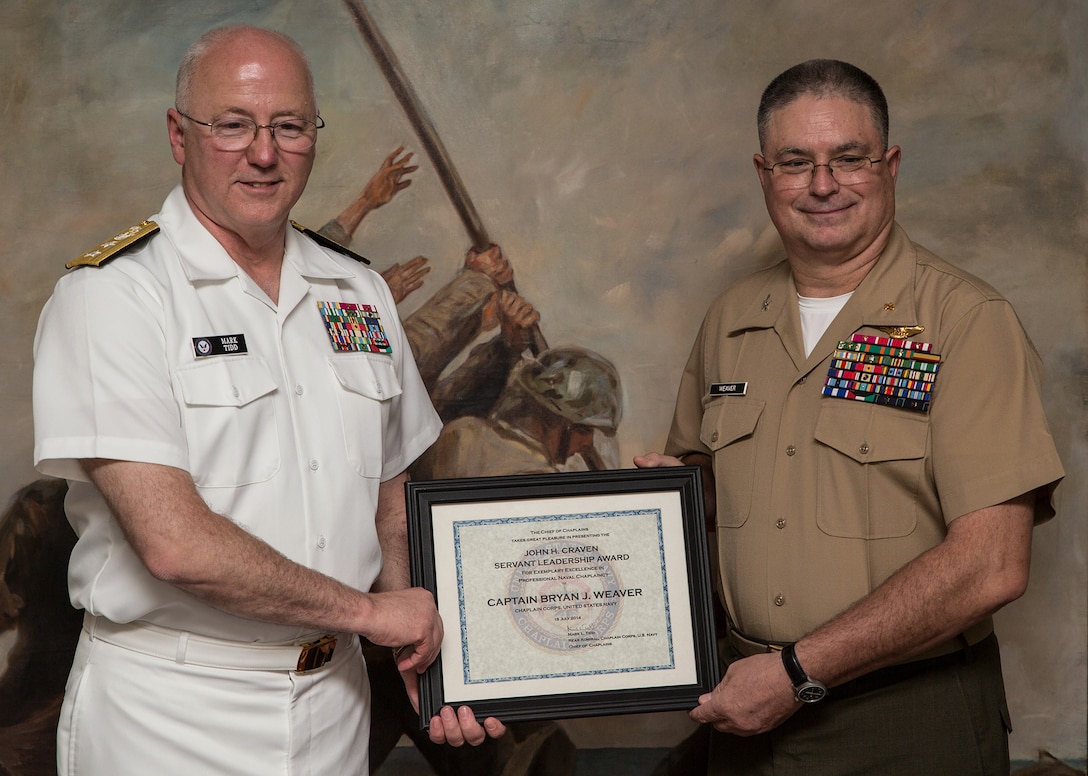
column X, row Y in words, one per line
column 817, row 313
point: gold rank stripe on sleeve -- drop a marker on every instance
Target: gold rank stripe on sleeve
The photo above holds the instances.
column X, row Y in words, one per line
column 112, row 247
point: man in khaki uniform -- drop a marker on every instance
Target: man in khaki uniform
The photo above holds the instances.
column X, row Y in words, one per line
column 870, row 418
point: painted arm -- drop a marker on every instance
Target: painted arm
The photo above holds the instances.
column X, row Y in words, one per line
column 379, row 190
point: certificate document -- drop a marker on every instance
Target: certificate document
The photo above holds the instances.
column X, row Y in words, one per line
column 566, row 595
column 578, row 590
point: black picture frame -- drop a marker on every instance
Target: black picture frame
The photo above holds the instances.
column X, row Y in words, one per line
column 454, row 523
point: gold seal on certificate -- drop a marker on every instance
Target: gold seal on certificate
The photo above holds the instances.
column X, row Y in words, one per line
column 566, row 594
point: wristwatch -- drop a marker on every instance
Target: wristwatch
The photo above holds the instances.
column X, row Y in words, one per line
column 805, row 688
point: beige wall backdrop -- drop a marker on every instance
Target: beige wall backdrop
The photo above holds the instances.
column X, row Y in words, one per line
column 607, row 144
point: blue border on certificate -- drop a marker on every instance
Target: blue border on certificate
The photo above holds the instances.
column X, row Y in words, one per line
column 460, row 524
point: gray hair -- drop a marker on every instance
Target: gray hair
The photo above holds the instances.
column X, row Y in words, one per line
column 822, row 78
column 212, row 38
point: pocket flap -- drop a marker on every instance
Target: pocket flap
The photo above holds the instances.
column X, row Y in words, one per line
column 374, row 378
column 225, row 382
column 868, row 433
column 729, row 419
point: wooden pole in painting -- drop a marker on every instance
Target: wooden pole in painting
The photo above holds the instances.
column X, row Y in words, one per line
column 428, row 137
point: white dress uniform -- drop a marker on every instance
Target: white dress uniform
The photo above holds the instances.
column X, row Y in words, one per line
column 287, row 416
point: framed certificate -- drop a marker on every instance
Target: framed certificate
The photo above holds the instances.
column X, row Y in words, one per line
column 566, row 595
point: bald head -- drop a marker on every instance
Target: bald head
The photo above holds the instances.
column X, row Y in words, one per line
column 239, row 34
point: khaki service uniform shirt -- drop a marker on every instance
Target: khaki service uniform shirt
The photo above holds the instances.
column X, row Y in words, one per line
column 821, row 499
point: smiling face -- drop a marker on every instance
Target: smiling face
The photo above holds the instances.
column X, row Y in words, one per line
column 827, row 222
column 244, row 195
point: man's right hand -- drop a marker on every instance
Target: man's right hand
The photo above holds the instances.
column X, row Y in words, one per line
column 702, row 460
column 408, row 621
column 656, row 460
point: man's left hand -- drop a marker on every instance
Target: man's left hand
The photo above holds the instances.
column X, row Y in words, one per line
column 460, row 727
column 755, row 696
column 455, row 728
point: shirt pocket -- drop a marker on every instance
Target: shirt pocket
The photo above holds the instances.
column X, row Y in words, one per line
column 871, row 464
column 229, row 416
column 368, row 384
column 727, row 430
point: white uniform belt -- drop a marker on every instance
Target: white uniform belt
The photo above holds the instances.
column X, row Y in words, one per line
column 190, row 648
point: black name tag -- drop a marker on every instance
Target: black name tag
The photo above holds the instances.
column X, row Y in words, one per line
column 728, row 389
column 219, row 345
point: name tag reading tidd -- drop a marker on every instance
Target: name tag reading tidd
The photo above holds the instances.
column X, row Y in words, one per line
column 728, row 389
column 219, row 345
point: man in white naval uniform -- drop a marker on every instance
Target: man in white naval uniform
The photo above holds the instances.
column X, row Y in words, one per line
column 234, row 406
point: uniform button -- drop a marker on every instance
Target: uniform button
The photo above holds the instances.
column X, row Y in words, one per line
column 781, row 522
column 714, row 437
column 802, row 380
column 235, row 391
column 790, row 450
column 378, row 389
column 779, row 600
column 864, row 448
column 321, row 543
column 298, row 390
column 313, row 464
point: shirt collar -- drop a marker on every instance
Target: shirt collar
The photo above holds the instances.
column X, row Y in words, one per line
column 203, row 258
column 884, row 298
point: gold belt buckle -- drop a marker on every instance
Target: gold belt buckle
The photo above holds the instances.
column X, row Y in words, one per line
column 315, row 654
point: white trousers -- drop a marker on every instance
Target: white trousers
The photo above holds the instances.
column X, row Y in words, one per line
column 129, row 713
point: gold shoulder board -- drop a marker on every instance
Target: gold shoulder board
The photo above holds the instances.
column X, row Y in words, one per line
column 321, row 239
column 105, row 251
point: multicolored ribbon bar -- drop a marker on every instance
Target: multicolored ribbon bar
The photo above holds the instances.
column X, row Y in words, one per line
column 354, row 327
column 883, row 370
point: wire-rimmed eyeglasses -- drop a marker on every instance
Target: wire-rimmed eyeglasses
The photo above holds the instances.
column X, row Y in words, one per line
column 235, row 133
column 847, row 169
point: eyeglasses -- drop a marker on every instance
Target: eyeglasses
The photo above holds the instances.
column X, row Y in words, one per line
column 237, row 132
column 848, row 169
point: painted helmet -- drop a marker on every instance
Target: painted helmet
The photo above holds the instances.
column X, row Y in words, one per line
column 574, row 383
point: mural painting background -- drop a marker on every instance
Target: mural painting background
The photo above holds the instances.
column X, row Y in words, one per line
column 607, row 145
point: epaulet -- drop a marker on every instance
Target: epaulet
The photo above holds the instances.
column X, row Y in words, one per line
column 112, row 247
column 321, row 239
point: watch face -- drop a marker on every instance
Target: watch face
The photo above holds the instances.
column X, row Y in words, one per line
column 810, row 693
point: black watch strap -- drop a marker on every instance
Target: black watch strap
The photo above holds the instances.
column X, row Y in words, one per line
column 805, row 688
